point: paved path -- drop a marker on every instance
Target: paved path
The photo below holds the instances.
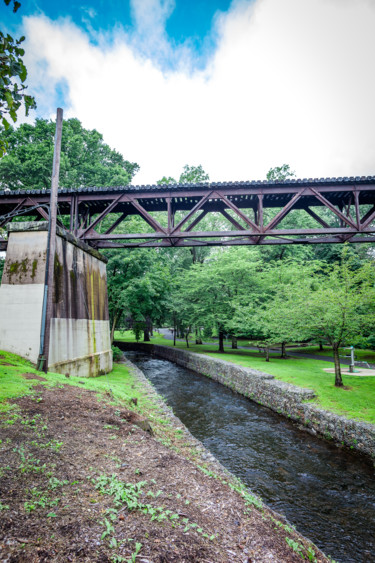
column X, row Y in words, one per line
column 344, row 361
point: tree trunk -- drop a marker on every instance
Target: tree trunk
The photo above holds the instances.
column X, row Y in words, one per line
column 174, row 329
column 198, row 339
column 146, row 334
column 113, row 328
column 283, row 350
column 221, row 341
column 187, row 338
column 267, row 354
column 234, row 343
column 338, row 378
column 320, row 346
column 147, row 330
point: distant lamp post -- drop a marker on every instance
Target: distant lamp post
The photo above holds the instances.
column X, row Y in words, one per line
column 351, row 367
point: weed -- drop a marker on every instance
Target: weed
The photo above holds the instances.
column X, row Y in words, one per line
column 54, row 483
column 3, row 506
column 40, row 500
column 4, row 469
column 311, row 554
column 53, row 444
column 138, row 547
column 109, row 529
column 296, row 546
column 29, row 464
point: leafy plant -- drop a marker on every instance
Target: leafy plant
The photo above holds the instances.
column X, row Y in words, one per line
column 138, row 547
column 116, row 354
column 296, row 546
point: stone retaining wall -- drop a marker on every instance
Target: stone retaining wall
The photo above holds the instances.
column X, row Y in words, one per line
column 281, row 397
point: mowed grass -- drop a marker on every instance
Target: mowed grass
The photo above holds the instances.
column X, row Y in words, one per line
column 361, row 355
column 355, row 400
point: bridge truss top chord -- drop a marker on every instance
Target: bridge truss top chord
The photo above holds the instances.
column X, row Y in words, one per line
column 339, row 210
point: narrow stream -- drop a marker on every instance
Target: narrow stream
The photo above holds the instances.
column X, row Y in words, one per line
column 327, row 493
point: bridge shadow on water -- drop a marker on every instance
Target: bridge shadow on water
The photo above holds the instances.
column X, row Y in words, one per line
column 326, row 492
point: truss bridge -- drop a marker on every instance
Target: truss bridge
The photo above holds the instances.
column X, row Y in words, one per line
column 308, row 211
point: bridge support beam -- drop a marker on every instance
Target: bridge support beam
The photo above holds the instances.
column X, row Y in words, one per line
column 79, row 332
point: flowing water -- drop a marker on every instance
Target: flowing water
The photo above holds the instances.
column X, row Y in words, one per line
column 327, row 493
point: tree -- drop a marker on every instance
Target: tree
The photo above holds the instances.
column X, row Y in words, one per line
column 208, row 294
column 280, row 173
column 335, row 304
column 13, row 75
column 189, row 175
column 138, row 283
column 275, row 317
column 85, row 159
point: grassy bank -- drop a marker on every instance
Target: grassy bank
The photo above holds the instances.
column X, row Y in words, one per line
column 356, row 400
column 81, row 480
column 13, row 384
column 119, row 388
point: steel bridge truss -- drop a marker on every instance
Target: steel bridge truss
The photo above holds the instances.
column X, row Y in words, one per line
column 248, row 213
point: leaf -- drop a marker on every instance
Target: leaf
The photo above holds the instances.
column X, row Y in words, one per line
column 6, row 124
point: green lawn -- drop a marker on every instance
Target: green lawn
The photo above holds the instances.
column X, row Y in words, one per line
column 120, row 384
column 361, row 355
column 357, row 400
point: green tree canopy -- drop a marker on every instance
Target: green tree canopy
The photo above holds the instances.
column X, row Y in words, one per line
column 138, row 284
column 280, row 173
column 86, row 160
column 189, row 175
column 334, row 303
column 13, row 76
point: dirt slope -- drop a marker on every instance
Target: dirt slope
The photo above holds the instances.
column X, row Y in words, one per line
column 80, row 481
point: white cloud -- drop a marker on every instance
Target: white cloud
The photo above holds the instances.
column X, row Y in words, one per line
column 290, row 82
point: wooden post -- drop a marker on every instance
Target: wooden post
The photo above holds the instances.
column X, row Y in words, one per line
column 51, row 247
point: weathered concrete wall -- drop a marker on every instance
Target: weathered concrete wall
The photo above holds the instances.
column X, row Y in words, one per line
column 279, row 396
column 21, row 293
column 80, row 337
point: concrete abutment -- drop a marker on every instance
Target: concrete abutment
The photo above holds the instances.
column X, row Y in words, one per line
column 79, row 333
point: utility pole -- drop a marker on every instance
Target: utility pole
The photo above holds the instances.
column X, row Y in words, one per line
column 51, row 248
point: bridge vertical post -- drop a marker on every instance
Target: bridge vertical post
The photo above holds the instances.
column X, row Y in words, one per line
column 51, row 247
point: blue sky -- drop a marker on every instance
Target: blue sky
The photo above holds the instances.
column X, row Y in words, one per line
column 188, row 21
column 238, row 87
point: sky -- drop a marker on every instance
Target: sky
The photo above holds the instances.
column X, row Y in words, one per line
column 238, row 86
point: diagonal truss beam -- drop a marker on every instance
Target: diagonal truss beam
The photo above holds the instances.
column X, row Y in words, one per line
column 101, row 216
column 21, row 203
column 191, row 212
column 368, row 218
column 328, row 204
column 197, row 220
column 238, row 212
column 146, row 216
column 116, row 223
column 283, row 212
column 40, row 210
column 232, row 220
column 317, row 218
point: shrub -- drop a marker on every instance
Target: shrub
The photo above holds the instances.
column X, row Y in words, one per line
column 117, row 354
